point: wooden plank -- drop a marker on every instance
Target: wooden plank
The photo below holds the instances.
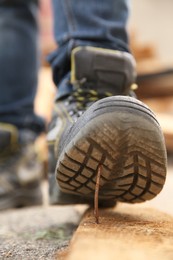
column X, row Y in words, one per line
column 154, row 79
column 127, row 232
column 160, row 105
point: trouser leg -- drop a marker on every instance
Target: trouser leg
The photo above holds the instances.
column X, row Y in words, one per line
column 19, row 63
column 93, row 22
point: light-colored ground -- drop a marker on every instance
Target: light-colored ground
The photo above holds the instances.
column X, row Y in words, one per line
column 36, row 233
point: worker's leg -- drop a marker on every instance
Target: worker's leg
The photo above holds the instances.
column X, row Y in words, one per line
column 88, row 23
column 18, row 63
column 19, row 126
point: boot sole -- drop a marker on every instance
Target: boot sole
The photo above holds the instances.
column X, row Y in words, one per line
column 123, row 135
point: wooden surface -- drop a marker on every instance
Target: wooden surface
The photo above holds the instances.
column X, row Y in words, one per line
column 125, row 233
column 160, row 86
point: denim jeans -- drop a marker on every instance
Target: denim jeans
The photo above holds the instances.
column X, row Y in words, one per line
column 19, row 63
column 76, row 22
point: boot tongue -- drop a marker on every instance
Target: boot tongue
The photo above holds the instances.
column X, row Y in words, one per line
column 104, row 70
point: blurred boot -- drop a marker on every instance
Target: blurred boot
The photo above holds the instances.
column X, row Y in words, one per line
column 20, row 169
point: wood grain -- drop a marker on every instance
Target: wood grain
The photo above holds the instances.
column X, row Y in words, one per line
column 126, row 232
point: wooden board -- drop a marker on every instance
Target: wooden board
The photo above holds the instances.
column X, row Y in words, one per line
column 154, row 79
column 125, row 233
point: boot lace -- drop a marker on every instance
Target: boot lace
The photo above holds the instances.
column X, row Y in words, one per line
column 81, row 98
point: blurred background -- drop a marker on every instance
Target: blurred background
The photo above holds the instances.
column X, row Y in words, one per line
column 151, row 40
column 152, row 21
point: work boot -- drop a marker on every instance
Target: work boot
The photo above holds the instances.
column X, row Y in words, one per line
column 99, row 127
column 20, row 170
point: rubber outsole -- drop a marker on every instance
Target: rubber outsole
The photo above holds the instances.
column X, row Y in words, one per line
column 123, row 136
